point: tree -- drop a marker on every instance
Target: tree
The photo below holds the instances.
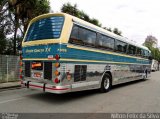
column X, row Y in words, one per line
column 154, row 51
column 95, row 22
column 116, row 31
column 22, row 11
column 151, row 40
column 109, row 29
column 2, row 43
column 84, row 16
column 5, row 25
column 69, row 9
column 73, row 10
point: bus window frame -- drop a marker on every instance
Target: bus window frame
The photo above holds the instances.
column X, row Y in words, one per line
column 120, row 51
column 30, row 25
column 104, row 48
column 83, row 43
column 128, row 50
column 138, row 55
column 96, row 43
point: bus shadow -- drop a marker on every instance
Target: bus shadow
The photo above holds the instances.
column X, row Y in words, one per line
column 64, row 98
column 73, row 96
column 128, row 84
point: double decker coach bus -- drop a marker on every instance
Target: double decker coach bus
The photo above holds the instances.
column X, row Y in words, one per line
column 62, row 53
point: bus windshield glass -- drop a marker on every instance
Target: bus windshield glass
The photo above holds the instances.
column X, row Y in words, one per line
column 46, row 28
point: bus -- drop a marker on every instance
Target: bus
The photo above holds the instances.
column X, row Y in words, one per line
column 62, row 53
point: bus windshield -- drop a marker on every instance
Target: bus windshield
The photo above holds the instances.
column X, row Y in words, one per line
column 46, row 28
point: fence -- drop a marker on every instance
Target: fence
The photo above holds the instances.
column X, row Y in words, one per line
column 9, row 68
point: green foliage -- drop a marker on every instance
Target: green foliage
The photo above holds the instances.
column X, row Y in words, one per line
column 20, row 12
column 2, row 43
column 69, row 9
column 15, row 15
column 109, row 29
column 116, row 31
column 25, row 10
column 73, row 10
column 6, row 27
column 154, row 51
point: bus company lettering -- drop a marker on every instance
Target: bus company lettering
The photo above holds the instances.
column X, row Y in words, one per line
column 62, row 50
column 38, row 50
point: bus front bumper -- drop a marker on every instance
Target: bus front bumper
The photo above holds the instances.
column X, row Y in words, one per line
column 46, row 87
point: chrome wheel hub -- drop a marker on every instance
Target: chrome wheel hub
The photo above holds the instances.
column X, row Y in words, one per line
column 106, row 83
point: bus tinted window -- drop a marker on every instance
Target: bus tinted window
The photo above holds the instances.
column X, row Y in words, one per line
column 105, row 42
column 131, row 50
column 74, row 33
column 82, row 36
column 88, row 37
column 146, row 53
column 143, row 53
column 75, row 36
column 47, row 28
column 139, row 52
column 121, row 46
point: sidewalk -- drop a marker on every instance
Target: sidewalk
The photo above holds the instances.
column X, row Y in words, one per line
column 10, row 85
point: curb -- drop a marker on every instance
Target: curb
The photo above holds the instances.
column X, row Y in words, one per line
column 10, row 88
column 18, row 86
column 9, row 85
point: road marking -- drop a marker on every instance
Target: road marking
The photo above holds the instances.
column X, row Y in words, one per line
column 11, row 100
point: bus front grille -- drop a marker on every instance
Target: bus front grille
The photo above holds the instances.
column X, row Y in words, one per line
column 48, row 70
column 27, row 69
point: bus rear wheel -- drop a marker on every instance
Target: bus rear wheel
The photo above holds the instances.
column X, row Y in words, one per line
column 145, row 75
column 106, row 83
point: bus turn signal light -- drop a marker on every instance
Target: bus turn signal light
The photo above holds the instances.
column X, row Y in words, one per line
column 20, row 70
column 57, row 65
column 20, row 63
column 56, row 73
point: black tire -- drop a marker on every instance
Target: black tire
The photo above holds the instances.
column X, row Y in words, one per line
column 106, row 83
column 146, row 75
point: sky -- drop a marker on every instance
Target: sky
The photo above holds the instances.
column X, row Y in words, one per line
column 135, row 18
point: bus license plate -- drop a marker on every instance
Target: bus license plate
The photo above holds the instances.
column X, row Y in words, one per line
column 37, row 75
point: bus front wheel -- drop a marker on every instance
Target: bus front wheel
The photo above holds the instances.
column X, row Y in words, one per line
column 106, row 83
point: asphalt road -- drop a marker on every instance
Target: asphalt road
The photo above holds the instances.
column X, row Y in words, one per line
column 139, row 96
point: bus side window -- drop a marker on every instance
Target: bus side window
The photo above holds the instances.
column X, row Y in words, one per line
column 148, row 54
column 82, row 36
column 144, row 55
column 131, row 50
column 139, row 52
column 105, row 42
column 87, row 36
column 74, row 33
column 120, row 46
column 74, row 38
